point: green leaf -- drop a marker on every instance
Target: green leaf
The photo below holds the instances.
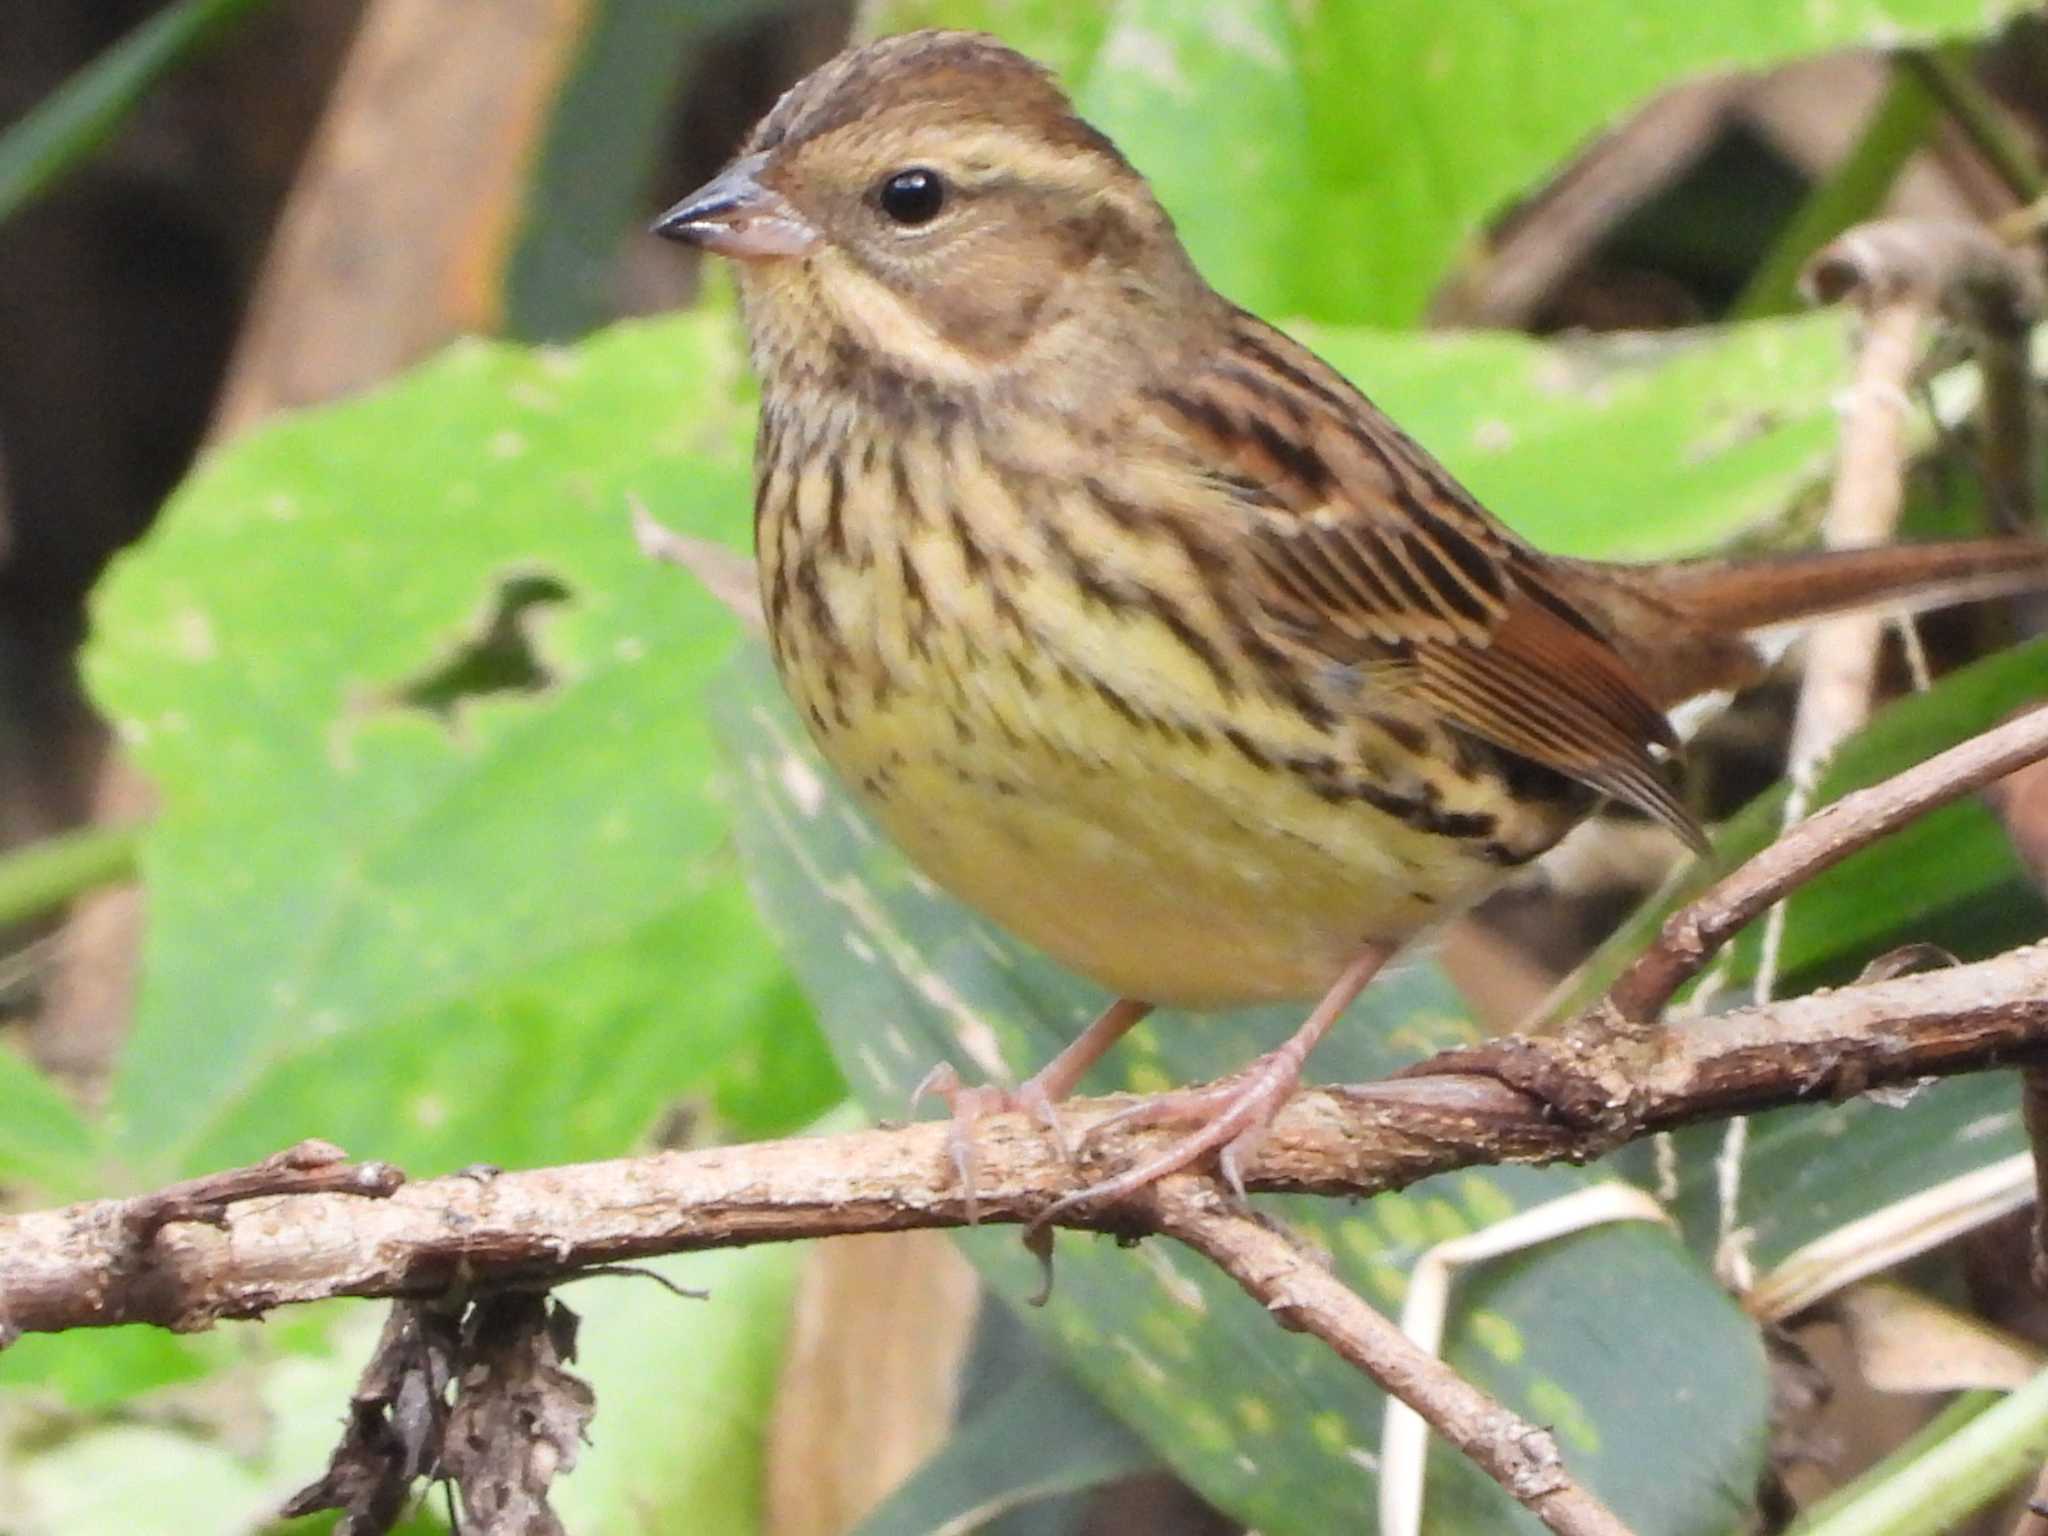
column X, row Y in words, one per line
column 1334, row 161
column 44, row 1141
column 441, row 869
column 1616, row 447
column 67, row 127
column 1269, row 1426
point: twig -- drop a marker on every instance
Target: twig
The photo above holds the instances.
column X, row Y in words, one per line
column 726, row 574
column 84, row 1266
column 1870, row 478
column 1283, row 1277
column 1990, row 293
column 311, row 1167
column 1691, row 936
column 1898, row 289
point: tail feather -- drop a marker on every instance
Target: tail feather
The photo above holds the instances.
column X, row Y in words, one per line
column 1686, row 625
column 1742, row 596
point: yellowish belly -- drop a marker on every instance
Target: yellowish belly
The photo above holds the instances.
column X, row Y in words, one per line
column 1160, row 869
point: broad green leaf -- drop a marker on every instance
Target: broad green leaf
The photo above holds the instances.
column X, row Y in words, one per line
column 437, row 899
column 44, row 1142
column 1334, row 160
column 1269, row 1426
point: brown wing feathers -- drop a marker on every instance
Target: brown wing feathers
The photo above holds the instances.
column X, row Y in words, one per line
column 1367, row 552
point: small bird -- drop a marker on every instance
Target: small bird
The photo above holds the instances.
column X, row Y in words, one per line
column 1136, row 625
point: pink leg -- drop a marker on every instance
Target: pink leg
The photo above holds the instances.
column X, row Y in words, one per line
column 1239, row 1108
column 1035, row 1096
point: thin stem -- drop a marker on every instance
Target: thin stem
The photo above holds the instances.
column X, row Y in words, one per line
column 44, row 876
column 83, row 113
column 1692, row 935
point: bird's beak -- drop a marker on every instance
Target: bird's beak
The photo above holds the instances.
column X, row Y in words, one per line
column 733, row 214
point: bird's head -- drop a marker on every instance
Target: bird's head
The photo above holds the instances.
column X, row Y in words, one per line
column 930, row 207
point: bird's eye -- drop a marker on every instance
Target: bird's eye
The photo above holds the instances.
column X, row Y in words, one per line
column 913, row 197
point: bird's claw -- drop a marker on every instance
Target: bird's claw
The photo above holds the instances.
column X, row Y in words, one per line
column 1235, row 1114
column 970, row 1104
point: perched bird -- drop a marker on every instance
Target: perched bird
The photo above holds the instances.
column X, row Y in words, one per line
column 1136, row 625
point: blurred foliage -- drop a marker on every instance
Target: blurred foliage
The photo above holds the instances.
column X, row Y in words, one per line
column 53, row 140
column 603, row 143
column 449, row 865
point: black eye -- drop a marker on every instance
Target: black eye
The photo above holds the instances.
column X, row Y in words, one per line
column 913, row 196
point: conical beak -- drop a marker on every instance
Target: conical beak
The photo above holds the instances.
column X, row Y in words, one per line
column 734, row 215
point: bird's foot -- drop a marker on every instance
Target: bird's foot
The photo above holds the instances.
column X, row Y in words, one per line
column 1034, row 1097
column 1232, row 1117
column 971, row 1104
column 1233, row 1113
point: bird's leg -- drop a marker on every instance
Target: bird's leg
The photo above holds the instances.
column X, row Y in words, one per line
column 1236, row 1111
column 1035, row 1096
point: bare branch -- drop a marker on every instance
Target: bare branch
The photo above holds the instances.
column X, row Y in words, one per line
column 77, row 1267
column 1302, row 1294
column 1842, row 654
column 1956, row 267
column 1691, row 936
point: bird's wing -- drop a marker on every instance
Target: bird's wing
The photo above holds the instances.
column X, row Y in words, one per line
column 1363, row 550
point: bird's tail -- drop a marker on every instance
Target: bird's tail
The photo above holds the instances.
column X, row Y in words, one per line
column 1744, row 596
column 1686, row 624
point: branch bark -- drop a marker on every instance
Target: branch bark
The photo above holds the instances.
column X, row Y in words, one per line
column 1283, row 1277
column 84, row 1266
